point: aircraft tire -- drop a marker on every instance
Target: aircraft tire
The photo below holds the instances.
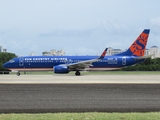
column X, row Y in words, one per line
column 18, row 74
column 77, row 73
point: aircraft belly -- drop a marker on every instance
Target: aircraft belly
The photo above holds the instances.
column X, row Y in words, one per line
column 31, row 69
column 101, row 69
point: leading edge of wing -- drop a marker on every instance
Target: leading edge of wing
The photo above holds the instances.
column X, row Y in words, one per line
column 86, row 63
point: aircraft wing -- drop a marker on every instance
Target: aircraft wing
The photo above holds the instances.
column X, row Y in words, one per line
column 143, row 57
column 84, row 64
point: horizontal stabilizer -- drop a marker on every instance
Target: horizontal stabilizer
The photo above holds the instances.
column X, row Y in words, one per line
column 143, row 57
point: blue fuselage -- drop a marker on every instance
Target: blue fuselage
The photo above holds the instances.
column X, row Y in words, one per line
column 48, row 62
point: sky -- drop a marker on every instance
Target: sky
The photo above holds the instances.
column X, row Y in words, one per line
column 79, row 27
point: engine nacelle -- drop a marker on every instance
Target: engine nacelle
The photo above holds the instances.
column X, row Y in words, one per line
column 61, row 69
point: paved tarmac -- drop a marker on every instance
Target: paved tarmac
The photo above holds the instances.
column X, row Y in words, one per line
column 23, row 94
column 84, row 79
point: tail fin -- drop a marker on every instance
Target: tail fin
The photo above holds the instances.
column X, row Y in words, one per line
column 139, row 45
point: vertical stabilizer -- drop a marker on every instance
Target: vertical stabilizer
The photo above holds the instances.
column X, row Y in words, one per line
column 139, row 45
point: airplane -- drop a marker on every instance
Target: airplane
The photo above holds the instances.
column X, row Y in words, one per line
column 65, row 64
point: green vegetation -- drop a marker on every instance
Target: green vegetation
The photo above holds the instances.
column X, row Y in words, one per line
column 82, row 116
column 148, row 65
column 4, row 57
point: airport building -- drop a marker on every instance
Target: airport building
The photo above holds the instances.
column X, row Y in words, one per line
column 112, row 51
column 2, row 49
column 53, row 53
column 154, row 50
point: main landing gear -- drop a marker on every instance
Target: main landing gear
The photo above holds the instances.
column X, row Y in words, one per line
column 77, row 73
column 18, row 74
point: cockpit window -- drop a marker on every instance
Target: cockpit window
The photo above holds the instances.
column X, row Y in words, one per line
column 11, row 61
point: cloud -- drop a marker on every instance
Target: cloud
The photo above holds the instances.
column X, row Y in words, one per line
column 115, row 27
column 80, row 50
column 115, row 34
column 66, row 33
column 155, row 21
column 154, row 24
column 1, row 33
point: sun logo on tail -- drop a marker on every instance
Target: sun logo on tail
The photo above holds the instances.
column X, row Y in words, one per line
column 138, row 47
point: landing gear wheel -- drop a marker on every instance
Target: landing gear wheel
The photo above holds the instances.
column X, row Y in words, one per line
column 18, row 74
column 77, row 73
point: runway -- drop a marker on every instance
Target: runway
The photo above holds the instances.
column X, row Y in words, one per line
column 83, row 79
column 23, row 94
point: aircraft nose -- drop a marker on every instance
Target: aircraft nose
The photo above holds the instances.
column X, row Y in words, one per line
column 5, row 65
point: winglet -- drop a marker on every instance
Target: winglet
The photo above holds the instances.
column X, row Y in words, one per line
column 103, row 54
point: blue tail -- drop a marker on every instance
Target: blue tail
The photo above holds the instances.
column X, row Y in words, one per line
column 139, row 45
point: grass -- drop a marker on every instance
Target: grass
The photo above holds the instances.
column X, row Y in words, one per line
column 82, row 116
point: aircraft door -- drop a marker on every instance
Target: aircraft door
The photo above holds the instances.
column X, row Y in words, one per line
column 124, row 61
column 21, row 61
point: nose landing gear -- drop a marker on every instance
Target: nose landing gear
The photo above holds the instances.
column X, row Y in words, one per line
column 18, row 74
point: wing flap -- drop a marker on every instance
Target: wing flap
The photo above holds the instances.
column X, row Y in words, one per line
column 83, row 64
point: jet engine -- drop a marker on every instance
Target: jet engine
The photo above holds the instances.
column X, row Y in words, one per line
column 61, row 69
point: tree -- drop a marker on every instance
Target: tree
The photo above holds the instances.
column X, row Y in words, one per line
column 148, row 65
column 4, row 57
